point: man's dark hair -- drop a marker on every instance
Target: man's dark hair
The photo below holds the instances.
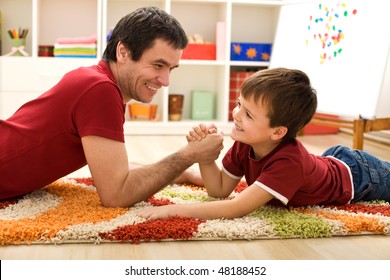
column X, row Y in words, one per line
column 139, row 30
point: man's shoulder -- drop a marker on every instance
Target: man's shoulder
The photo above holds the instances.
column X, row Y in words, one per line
column 89, row 75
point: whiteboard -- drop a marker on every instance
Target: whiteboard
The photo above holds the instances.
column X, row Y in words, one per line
column 342, row 45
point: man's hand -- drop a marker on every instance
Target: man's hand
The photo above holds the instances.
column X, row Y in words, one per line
column 160, row 212
column 207, row 150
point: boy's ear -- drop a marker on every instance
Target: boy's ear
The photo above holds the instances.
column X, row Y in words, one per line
column 279, row 132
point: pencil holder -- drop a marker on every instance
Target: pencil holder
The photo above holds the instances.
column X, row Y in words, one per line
column 17, row 47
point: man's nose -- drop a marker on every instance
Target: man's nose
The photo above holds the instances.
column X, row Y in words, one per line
column 163, row 78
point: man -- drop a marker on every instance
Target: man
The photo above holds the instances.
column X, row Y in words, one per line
column 80, row 120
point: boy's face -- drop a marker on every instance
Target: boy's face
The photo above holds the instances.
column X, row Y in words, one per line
column 251, row 124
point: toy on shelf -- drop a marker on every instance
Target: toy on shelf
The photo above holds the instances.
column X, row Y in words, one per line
column 250, row 51
column 199, row 48
column 139, row 111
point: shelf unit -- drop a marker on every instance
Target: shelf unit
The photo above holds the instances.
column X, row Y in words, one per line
column 245, row 21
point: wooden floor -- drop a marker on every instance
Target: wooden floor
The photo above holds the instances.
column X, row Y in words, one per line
column 147, row 149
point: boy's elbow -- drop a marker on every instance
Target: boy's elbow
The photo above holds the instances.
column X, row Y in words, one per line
column 219, row 195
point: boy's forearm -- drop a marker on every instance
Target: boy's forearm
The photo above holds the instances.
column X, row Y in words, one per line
column 223, row 209
column 211, row 175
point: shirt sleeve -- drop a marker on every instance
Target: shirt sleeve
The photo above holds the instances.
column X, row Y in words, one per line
column 232, row 163
column 100, row 112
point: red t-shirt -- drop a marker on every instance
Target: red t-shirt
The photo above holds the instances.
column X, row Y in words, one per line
column 292, row 175
column 41, row 142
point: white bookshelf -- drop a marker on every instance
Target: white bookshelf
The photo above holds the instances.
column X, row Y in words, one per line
column 245, row 21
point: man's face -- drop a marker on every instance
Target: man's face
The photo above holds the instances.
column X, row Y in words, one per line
column 140, row 80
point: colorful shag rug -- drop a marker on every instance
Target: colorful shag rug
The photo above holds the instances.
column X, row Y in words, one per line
column 69, row 211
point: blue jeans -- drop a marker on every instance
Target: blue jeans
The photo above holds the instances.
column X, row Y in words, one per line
column 371, row 176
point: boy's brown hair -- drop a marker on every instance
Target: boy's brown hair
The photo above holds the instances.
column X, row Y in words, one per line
column 288, row 95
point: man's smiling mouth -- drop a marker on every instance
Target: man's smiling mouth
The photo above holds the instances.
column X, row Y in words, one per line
column 151, row 87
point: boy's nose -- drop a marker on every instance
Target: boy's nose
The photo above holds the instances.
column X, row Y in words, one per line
column 236, row 112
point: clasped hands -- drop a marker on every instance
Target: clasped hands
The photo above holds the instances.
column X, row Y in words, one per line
column 205, row 143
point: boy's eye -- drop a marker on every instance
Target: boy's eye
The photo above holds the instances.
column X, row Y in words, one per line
column 248, row 115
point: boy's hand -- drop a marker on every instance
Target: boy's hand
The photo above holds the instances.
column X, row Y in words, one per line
column 200, row 132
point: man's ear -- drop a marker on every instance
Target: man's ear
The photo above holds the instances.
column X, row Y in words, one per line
column 279, row 132
column 121, row 52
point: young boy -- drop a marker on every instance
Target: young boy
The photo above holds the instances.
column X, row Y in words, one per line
column 273, row 106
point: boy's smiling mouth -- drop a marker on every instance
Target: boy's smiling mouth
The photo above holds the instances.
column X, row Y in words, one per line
column 236, row 127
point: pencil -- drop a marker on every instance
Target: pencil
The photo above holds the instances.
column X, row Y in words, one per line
column 18, row 34
column 25, row 31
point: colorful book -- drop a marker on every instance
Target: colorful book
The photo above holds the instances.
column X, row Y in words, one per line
column 202, row 105
column 236, row 80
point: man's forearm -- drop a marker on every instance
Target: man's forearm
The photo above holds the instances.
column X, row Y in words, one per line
column 144, row 181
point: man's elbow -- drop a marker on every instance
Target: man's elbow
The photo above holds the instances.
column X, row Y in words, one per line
column 116, row 203
column 111, row 204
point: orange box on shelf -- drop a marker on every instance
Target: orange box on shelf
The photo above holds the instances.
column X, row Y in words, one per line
column 200, row 51
column 312, row 129
column 140, row 111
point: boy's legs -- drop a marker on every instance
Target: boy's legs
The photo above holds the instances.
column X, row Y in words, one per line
column 371, row 176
